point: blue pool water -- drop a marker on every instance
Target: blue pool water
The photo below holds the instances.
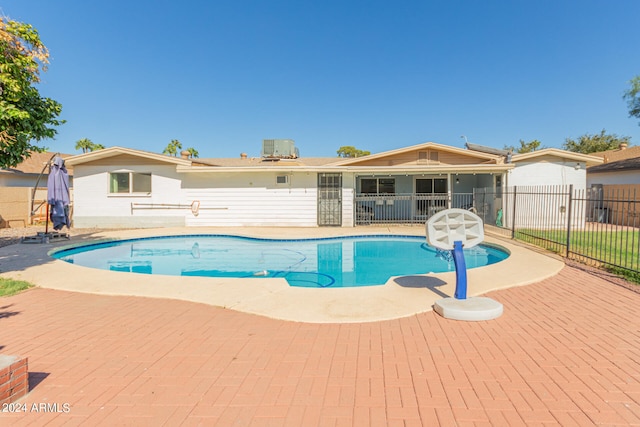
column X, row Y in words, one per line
column 330, row 262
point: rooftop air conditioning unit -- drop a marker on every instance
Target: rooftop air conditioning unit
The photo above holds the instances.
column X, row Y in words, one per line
column 279, row 148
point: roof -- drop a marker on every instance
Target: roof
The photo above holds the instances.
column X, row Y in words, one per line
column 484, row 149
column 589, row 160
column 619, row 154
column 620, row 165
column 260, row 162
column 424, row 146
column 35, row 164
column 486, row 161
column 116, row 151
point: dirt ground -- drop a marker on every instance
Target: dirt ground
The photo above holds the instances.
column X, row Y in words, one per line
column 10, row 236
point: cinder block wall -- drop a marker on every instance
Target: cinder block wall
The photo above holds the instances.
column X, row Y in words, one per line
column 14, row 206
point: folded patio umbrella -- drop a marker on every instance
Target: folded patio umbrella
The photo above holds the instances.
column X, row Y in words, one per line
column 58, row 194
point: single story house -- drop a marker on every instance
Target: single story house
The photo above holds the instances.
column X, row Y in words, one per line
column 615, row 186
column 32, row 171
column 23, row 189
column 620, row 166
column 123, row 187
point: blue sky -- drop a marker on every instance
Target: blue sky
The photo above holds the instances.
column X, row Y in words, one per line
column 222, row 75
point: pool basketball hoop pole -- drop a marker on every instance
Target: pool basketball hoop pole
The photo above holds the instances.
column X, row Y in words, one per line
column 453, row 230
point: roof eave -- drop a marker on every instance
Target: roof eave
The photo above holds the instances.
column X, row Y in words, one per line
column 359, row 169
column 563, row 154
column 115, row 151
column 424, row 145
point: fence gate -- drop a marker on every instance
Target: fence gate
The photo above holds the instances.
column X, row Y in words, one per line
column 330, row 199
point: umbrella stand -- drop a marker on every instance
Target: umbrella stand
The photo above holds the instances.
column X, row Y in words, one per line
column 46, row 221
column 47, row 236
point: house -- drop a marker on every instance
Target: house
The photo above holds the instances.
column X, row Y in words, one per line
column 621, row 166
column 615, row 186
column 123, row 187
column 32, row 172
column 23, row 190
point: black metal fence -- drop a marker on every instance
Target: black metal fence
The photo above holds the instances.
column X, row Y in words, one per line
column 595, row 226
column 599, row 226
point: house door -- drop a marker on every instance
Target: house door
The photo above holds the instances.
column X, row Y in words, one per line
column 330, row 199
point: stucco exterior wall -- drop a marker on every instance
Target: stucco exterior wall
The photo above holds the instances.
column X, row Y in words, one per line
column 614, row 178
column 95, row 207
column 548, row 173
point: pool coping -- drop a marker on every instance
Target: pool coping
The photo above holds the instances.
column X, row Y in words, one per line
column 273, row 297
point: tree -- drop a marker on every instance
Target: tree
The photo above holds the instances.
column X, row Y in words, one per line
column 25, row 116
column 586, row 143
column 633, row 98
column 350, row 151
column 193, row 153
column 86, row 144
column 172, row 148
column 525, row 147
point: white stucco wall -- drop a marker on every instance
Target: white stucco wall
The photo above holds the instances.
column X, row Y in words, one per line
column 95, row 207
column 552, row 207
column 612, row 178
column 548, row 173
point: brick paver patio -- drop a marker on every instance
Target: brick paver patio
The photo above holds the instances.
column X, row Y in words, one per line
column 565, row 352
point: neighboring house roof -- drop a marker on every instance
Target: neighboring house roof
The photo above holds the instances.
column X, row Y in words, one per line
column 35, row 164
column 619, row 154
column 620, row 165
column 555, row 152
column 121, row 151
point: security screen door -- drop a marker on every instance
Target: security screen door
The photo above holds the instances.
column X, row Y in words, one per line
column 330, row 199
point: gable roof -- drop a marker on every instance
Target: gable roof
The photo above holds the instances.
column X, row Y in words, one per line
column 620, row 165
column 35, row 164
column 353, row 161
column 619, row 154
column 555, row 152
column 116, row 151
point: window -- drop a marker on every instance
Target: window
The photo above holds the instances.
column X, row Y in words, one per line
column 378, row 186
column 282, row 179
column 129, row 183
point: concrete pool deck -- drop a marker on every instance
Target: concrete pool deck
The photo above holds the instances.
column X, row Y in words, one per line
column 274, row 298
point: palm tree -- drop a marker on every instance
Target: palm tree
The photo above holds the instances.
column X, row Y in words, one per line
column 172, row 148
column 85, row 145
column 193, row 153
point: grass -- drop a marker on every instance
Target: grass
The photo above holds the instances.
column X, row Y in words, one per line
column 10, row 287
column 615, row 248
column 631, row 276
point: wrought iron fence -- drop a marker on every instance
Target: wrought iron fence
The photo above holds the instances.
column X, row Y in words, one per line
column 599, row 226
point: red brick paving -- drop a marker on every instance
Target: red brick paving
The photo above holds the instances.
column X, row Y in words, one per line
column 566, row 352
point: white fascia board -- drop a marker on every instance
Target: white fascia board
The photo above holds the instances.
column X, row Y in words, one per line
column 360, row 169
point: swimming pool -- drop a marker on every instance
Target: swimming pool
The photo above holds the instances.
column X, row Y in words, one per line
column 326, row 262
